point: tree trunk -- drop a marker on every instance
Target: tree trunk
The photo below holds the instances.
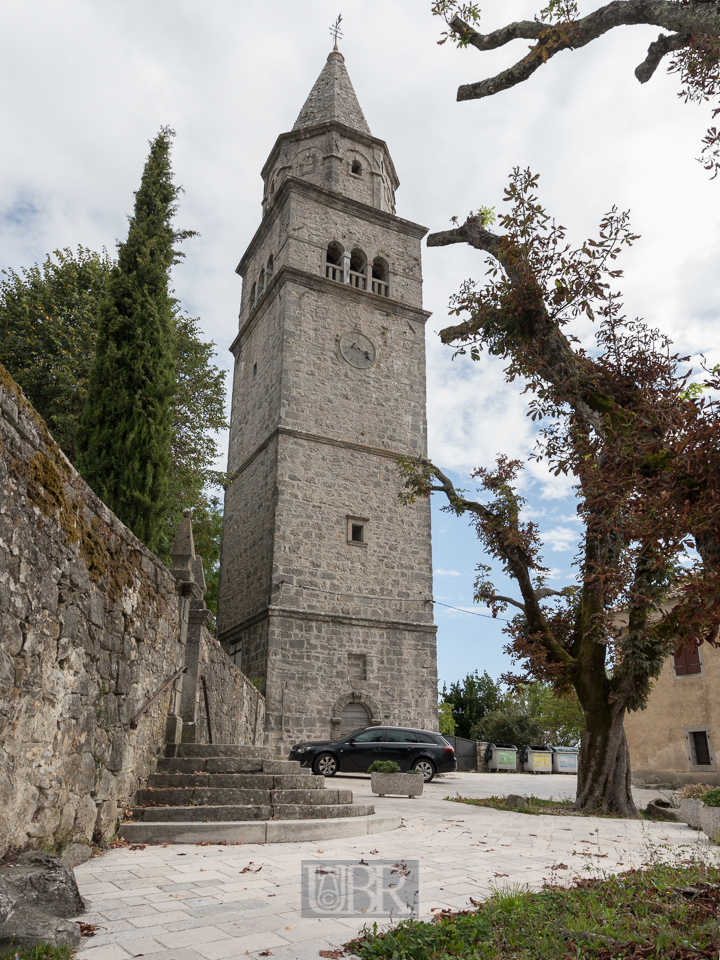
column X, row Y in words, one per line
column 604, row 767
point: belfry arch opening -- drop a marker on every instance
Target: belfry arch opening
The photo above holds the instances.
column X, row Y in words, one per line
column 334, row 261
column 358, row 269
column 380, row 277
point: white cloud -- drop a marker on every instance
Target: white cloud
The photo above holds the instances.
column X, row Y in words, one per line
column 446, row 573
column 560, row 538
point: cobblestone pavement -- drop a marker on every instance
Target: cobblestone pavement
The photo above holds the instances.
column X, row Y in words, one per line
column 186, row 902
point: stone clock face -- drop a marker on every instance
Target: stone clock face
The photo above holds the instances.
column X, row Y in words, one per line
column 357, row 350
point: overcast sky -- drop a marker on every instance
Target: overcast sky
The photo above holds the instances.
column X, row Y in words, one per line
column 86, row 84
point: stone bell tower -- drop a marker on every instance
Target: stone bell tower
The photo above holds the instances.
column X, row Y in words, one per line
column 325, row 577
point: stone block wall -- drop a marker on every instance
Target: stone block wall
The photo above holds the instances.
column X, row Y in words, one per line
column 92, row 624
column 90, row 628
column 236, row 706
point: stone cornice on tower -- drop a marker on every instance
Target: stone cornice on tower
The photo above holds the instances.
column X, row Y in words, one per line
column 332, row 200
column 332, row 98
column 309, row 133
column 315, row 282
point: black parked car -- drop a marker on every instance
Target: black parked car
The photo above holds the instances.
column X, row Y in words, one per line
column 410, row 749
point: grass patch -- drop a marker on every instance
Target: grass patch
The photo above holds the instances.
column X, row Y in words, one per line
column 665, row 912
column 539, row 805
column 43, row 951
column 534, row 805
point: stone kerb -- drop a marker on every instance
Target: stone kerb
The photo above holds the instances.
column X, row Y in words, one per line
column 91, row 626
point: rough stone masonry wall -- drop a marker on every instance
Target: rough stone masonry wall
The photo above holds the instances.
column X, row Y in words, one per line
column 90, row 627
column 235, row 705
column 225, row 684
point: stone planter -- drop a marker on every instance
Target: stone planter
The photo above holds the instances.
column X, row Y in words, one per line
column 404, row 784
column 690, row 812
column 710, row 822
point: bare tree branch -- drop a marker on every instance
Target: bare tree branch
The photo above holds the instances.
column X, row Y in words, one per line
column 518, row 563
column 561, row 363
column 516, row 603
column 540, row 594
column 544, row 592
column 656, row 51
column 685, row 20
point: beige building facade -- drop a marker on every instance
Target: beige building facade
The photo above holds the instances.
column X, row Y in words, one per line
column 673, row 742
column 325, row 578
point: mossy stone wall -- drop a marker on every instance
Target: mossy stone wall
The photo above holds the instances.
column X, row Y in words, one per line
column 91, row 625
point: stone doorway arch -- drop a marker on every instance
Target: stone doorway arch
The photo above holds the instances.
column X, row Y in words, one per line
column 353, row 715
column 338, row 724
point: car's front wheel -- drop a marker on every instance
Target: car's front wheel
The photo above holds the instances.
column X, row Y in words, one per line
column 325, row 765
column 426, row 768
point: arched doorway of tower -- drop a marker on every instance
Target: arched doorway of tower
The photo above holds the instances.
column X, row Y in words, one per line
column 354, row 715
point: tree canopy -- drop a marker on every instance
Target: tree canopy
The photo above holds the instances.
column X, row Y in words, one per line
column 533, row 714
column 48, row 334
column 618, row 416
column 125, row 429
column 470, row 700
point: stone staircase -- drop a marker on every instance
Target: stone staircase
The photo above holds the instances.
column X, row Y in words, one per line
column 221, row 791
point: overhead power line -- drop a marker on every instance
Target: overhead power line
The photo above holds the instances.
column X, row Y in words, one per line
column 362, row 596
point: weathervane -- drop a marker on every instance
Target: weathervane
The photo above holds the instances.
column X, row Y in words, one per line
column 336, row 31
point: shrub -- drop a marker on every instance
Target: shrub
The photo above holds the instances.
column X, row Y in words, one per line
column 383, row 766
column 711, row 798
column 693, row 791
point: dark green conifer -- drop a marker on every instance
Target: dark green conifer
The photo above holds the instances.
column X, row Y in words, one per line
column 126, row 427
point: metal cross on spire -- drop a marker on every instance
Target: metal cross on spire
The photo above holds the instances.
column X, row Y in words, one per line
column 335, row 31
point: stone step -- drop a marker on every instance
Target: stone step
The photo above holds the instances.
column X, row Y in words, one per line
column 239, row 781
column 238, row 750
column 229, row 765
column 264, row 831
column 246, row 812
column 199, row 796
column 208, row 765
column 314, row 797
column 217, row 796
column 301, row 811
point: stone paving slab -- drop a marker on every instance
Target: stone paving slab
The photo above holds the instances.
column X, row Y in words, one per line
column 187, row 902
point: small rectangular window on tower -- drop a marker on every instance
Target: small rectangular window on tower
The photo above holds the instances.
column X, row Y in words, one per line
column 357, row 666
column 356, row 531
column 700, row 750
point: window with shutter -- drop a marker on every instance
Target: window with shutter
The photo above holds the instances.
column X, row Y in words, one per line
column 687, row 661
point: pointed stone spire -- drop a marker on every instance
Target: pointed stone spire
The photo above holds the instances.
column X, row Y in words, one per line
column 333, row 98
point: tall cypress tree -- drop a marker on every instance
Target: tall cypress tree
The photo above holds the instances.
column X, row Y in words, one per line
column 126, row 427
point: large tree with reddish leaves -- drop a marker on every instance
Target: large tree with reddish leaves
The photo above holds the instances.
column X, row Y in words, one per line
column 644, row 448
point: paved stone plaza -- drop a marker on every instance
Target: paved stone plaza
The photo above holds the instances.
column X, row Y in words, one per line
column 187, row 902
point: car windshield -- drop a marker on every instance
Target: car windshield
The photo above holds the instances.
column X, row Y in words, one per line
column 353, row 734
